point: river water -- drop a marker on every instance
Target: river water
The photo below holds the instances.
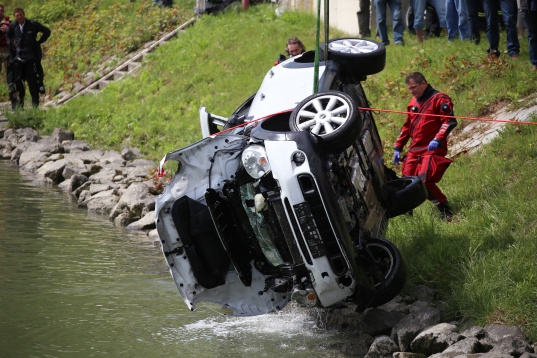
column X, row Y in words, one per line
column 73, row 285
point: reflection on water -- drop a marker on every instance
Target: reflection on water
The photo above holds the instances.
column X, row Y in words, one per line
column 73, row 285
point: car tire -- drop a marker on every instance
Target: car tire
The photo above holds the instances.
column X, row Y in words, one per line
column 360, row 57
column 332, row 116
column 405, row 194
column 389, row 264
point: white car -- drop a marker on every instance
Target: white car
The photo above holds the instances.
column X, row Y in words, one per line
column 289, row 198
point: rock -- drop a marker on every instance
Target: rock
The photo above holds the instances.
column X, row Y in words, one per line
column 123, row 220
column 130, row 153
column 103, row 176
column 112, row 157
column 153, row 236
column 505, row 340
column 380, row 322
column 382, row 347
column 435, row 339
column 396, row 305
column 474, row 331
column 27, row 135
column 466, row 346
column 46, row 145
column 73, row 146
column 32, row 167
column 102, row 204
column 84, row 185
column 145, row 223
column 64, row 185
column 97, row 188
column 422, row 315
column 52, row 170
column 32, row 156
column 83, row 199
column 61, row 135
column 16, row 154
column 76, row 181
column 89, row 156
column 135, row 201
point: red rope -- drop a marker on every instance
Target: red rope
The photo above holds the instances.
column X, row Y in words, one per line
column 459, row 117
column 393, row 111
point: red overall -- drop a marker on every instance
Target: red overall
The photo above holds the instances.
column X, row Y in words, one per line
column 422, row 128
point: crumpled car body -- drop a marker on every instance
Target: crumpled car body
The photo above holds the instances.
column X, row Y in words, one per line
column 288, row 199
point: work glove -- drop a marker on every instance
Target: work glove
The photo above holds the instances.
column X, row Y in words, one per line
column 397, row 157
column 433, row 145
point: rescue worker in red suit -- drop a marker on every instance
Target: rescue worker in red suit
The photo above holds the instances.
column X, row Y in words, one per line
column 429, row 121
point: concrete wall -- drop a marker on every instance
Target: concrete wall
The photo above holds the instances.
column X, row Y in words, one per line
column 342, row 12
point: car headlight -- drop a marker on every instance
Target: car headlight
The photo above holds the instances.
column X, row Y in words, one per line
column 254, row 160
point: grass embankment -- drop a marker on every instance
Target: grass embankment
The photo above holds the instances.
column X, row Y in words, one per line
column 483, row 263
column 91, row 36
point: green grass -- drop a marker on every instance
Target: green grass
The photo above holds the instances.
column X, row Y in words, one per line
column 483, row 264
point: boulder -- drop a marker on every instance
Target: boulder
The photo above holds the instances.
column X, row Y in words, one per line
column 382, row 347
column 423, row 315
column 435, row 339
column 145, row 223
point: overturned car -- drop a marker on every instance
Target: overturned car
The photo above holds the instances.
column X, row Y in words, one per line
column 288, row 198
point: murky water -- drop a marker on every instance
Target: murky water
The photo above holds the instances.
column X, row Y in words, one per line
column 73, row 285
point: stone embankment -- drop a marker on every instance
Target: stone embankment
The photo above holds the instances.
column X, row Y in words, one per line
column 117, row 185
column 411, row 327
column 120, row 186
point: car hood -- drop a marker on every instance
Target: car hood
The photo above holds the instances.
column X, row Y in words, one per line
column 283, row 87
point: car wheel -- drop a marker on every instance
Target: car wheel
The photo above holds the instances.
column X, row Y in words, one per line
column 361, row 57
column 386, row 269
column 405, row 194
column 332, row 116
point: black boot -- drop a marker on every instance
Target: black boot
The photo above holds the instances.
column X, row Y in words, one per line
column 445, row 211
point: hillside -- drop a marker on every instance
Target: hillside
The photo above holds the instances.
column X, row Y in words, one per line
column 91, row 36
column 483, row 263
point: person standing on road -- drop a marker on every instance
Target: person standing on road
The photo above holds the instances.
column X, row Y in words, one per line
column 428, row 124
column 25, row 54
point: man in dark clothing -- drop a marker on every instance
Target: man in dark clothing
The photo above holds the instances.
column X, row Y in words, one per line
column 473, row 20
column 429, row 121
column 25, row 57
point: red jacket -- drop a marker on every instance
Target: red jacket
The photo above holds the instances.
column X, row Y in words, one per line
column 3, row 39
column 422, row 128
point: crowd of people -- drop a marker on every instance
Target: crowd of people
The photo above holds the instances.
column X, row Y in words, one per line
column 21, row 54
column 459, row 19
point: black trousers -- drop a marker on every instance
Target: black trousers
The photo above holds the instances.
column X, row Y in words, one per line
column 17, row 73
column 473, row 18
